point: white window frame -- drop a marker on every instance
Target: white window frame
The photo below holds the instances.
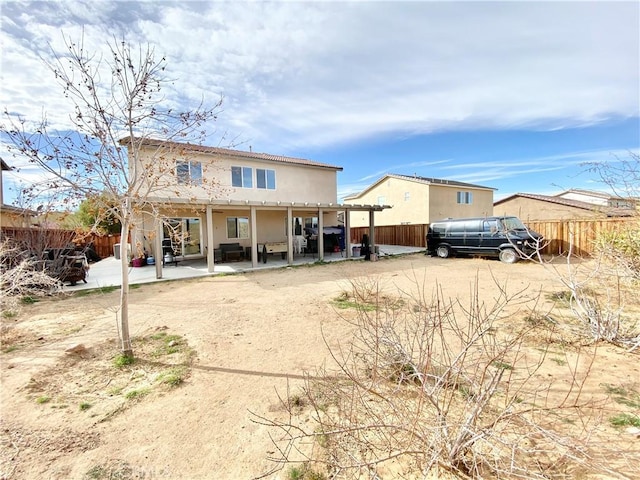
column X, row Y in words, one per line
column 246, row 176
column 464, row 198
column 192, row 174
column 267, row 176
column 241, row 228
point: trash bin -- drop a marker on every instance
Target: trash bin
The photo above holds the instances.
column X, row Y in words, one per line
column 116, row 250
column 356, row 251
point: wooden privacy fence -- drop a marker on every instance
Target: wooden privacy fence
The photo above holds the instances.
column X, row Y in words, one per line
column 40, row 239
column 103, row 244
column 561, row 234
column 558, row 234
column 407, row 235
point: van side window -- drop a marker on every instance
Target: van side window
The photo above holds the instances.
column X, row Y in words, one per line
column 490, row 226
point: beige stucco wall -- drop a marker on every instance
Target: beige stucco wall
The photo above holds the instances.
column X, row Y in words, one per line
column 419, row 203
column 444, row 204
column 270, row 224
column 528, row 209
column 12, row 219
column 294, row 182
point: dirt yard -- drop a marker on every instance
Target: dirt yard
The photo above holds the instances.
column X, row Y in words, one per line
column 251, row 336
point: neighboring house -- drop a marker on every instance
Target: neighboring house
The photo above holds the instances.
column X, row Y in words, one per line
column 597, row 198
column 530, row 207
column 220, row 196
column 421, row 200
column 11, row 216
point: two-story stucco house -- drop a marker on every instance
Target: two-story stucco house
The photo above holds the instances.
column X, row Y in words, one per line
column 421, row 200
column 217, row 196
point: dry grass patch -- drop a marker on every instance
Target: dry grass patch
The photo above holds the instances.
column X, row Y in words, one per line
column 108, row 383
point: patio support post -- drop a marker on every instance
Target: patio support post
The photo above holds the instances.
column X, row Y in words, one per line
column 210, row 250
column 372, row 231
column 289, row 236
column 158, row 245
column 254, row 237
column 320, row 235
column 347, row 233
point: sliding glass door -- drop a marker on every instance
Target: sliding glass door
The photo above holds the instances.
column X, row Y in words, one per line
column 184, row 235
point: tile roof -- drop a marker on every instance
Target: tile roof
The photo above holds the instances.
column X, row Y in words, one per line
column 437, row 181
column 590, row 193
column 415, row 178
column 609, row 211
column 228, row 152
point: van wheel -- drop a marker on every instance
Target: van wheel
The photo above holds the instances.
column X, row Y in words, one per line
column 509, row 255
column 443, row 251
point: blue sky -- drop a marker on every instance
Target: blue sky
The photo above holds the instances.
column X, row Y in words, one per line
column 517, row 96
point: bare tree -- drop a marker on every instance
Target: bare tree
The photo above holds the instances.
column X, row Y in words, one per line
column 598, row 292
column 117, row 95
column 621, row 175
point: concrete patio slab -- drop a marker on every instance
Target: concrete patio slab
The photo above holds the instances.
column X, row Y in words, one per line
column 106, row 273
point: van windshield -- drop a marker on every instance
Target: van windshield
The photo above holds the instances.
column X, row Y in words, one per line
column 512, row 223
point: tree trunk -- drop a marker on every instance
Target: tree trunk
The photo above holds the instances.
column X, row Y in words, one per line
column 125, row 339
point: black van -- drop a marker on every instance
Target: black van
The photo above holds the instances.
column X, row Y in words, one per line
column 504, row 237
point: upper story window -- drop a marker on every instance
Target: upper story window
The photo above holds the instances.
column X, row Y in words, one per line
column 266, row 178
column 189, row 172
column 381, row 200
column 242, row 177
column 465, row 197
column 407, row 196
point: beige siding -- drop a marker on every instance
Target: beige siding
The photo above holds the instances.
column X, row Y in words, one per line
column 294, row 182
column 14, row 219
column 444, row 203
column 409, row 201
column 528, row 209
column 419, row 203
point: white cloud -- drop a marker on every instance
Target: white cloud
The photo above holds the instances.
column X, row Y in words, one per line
column 316, row 74
column 319, row 73
column 491, row 171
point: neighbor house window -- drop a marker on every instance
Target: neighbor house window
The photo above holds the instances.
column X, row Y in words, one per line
column 237, row 227
column 407, row 196
column 242, row 177
column 465, row 197
column 381, row 200
column 266, row 179
column 189, row 172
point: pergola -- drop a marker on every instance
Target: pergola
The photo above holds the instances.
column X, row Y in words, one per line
column 292, row 209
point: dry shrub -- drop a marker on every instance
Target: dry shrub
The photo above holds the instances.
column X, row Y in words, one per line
column 599, row 297
column 430, row 386
column 21, row 276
